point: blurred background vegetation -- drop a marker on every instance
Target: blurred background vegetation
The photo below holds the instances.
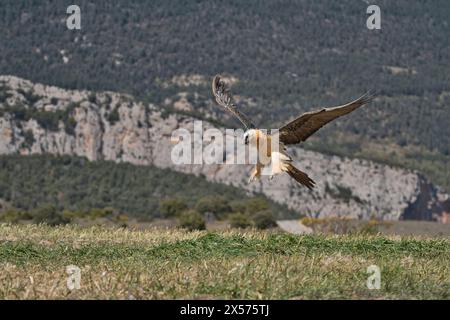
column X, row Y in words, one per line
column 58, row 190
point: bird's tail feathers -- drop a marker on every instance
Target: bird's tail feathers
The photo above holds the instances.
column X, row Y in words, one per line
column 299, row 176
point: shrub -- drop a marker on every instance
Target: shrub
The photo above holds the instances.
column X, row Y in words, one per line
column 239, row 220
column 30, row 96
column 50, row 215
column 191, row 220
column 113, row 116
column 264, row 220
column 342, row 193
column 256, row 205
column 96, row 213
column 14, row 215
column 92, row 98
column 238, row 206
column 172, row 207
column 69, row 126
column 28, row 139
column 214, row 204
column 72, row 215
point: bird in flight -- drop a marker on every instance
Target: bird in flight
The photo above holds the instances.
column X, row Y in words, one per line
column 293, row 132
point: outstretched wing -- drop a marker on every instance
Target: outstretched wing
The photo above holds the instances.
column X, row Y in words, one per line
column 308, row 123
column 224, row 98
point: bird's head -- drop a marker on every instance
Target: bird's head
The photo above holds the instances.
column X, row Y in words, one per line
column 250, row 136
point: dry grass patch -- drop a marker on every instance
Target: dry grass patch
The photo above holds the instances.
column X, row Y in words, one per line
column 163, row 264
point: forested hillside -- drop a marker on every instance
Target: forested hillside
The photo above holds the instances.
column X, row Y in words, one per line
column 74, row 183
column 289, row 56
column 38, row 119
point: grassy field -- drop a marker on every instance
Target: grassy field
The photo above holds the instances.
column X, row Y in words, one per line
column 165, row 264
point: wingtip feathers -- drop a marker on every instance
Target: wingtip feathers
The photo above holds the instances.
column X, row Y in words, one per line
column 367, row 97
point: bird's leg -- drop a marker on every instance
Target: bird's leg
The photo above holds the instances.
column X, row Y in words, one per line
column 256, row 173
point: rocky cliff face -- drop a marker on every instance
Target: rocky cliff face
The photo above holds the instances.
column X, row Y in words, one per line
column 38, row 119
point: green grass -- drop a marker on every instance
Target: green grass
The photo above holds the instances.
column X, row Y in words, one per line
column 164, row 264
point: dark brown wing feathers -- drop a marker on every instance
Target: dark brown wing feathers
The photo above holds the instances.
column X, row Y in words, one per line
column 224, row 98
column 308, row 123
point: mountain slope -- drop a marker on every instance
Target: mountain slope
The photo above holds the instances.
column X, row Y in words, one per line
column 38, row 119
column 72, row 183
column 289, row 57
